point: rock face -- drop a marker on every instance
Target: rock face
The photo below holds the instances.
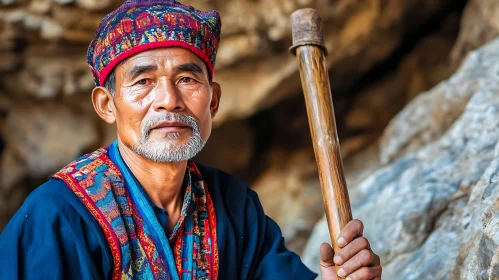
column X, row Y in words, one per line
column 34, row 142
column 354, row 28
column 433, row 211
column 290, row 194
column 480, row 24
column 256, row 35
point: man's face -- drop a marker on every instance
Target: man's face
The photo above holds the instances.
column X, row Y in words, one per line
column 164, row 104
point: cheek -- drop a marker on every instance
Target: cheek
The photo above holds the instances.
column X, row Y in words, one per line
column 199, row 105
column 130, row 117
column 138, row 99
column 200, row 96
column 199, row 102
column 206, row 129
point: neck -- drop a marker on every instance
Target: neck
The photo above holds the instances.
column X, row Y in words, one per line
column 161, row 180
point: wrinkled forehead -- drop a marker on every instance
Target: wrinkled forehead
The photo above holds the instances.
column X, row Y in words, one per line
column 164, row 58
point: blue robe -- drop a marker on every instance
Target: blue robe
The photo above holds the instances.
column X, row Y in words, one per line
column 54, row 236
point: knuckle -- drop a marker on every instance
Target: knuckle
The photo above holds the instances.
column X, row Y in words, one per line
column 343, row 254
column 359, row 224
column 365, row 256
column 376, row 272
column 325, row 264
column 364, row 243
column 364, row 273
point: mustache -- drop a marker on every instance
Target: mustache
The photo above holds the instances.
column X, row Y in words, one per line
column 169, row 117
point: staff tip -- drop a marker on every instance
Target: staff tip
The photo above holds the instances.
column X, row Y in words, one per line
column 307, row 29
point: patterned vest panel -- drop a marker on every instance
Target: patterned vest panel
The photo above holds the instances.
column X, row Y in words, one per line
column 100, row 186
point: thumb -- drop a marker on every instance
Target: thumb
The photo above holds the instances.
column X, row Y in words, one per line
column 328, row 269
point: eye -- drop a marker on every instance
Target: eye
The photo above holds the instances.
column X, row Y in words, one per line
column 143, row 82
column 186, row 80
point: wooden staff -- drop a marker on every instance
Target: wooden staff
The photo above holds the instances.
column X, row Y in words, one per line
column 308, row 46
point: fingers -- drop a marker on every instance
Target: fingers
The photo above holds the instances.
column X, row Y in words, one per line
column 327, row 255
column 365, row 259
column 356, row 259
column 366, row 273
column 353, row 229
column 354, row 247
column 328, row 269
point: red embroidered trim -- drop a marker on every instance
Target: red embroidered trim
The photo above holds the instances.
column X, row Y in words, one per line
column 213, row 230
column 213, row 226
column 177, row 251
column 106, row 227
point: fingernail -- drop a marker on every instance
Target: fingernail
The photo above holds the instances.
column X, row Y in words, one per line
column 349, row 278
column 341, row 272
column 337, row 260
column 342, row 242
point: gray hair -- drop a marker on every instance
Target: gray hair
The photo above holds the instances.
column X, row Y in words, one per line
column 110, row 83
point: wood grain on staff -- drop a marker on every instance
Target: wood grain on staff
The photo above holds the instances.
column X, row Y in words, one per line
column 316, row 89
column 308, row 46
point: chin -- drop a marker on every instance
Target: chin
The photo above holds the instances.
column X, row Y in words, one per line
column 173, row 142
column 169, row 138
column 169, row 151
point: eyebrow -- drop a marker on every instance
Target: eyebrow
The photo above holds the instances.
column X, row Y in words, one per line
column 189, row 67
column 139, row 69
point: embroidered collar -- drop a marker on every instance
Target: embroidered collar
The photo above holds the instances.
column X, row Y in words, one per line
column 186, row 186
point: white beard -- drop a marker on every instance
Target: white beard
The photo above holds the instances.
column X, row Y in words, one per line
column 162, row 151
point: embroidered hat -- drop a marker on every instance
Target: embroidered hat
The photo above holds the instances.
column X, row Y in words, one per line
column 140, row 25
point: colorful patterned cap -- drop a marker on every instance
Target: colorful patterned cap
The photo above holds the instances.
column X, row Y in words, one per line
column 140, row 25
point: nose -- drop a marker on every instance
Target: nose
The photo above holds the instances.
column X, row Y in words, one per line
column 168, row 97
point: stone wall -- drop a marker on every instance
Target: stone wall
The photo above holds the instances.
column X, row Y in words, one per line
column 382, row 54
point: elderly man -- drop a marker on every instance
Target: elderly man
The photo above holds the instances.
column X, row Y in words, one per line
column 140, row 208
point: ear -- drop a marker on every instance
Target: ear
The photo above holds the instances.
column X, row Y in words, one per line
column 103, row 104
column 215, row 99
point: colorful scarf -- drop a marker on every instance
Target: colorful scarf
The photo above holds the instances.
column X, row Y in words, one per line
column 139, row 245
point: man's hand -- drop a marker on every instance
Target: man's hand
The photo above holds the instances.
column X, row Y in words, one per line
column 356, row 260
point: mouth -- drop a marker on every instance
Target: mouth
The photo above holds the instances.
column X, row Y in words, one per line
column 170, row 126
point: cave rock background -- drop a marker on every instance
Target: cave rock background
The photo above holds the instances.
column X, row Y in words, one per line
column 428, row 166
